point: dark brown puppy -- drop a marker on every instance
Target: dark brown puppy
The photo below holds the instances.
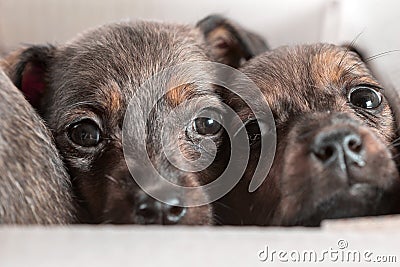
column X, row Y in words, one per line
column 34, row 186
column 335, row 135
column 83, row 88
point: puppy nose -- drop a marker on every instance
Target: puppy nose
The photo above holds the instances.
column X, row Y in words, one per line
column 151, row 211
column 173, row 213
column 343, row 145
column 148, row 211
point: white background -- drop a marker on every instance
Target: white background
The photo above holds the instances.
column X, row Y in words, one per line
column 281, row 22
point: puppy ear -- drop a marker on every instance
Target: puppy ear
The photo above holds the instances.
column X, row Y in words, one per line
column 27, row 68
column 228, row 42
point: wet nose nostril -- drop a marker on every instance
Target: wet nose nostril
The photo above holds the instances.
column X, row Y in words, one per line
column 145, row 211
column 176, row 211
column 353, row 148
column 324, row 153
column 339, row 145
column 148, row 212
column 173, row 213
column 354, row 144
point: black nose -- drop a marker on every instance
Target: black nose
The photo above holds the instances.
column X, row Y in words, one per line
column 341, row 145
column 150, row 211
column 173, row 213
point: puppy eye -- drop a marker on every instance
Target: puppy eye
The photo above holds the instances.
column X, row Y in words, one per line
column 365, row 97
column 207, row 124
column 85, row 133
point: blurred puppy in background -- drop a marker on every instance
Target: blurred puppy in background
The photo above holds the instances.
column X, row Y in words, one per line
column 34, row 186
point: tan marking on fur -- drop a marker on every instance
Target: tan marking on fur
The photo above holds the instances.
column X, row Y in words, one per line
column 325, row 68
column 111, row 95
column 332, row 65
column 115, row 99
column 220, row 33
column 178, row 94
column 229, row 52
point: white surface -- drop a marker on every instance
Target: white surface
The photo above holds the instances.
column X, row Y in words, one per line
column 188, row 246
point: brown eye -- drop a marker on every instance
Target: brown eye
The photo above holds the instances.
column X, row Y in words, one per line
column 365, row 97
column 207, row 123
column 206, row 126
column 85, row 133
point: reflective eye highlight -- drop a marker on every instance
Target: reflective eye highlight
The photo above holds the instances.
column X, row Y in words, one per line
column 206, row 126
column 365, row 97
column 85, row 133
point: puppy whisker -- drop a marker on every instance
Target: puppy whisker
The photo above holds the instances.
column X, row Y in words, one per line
column 396, row 140
column 381, row 55
column 395, row 156
column 369, row 59
column 348, row 48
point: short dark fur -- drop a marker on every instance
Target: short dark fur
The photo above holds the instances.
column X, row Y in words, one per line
column 94, row 77
column 34, row 186
column 307, row 90
column 230, row 43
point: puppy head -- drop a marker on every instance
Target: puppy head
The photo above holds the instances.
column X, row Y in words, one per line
column 83, row 90
column 335, row 130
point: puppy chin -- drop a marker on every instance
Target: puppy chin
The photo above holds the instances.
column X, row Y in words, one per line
column 356, row 201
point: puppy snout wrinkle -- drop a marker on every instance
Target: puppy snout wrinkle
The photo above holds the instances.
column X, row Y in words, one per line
column 341, row 145
column 150, row 211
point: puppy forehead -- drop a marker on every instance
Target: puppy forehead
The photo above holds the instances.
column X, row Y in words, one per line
column 127, row 53
column 336, row 65
column 107, row 65
column 308, row 77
